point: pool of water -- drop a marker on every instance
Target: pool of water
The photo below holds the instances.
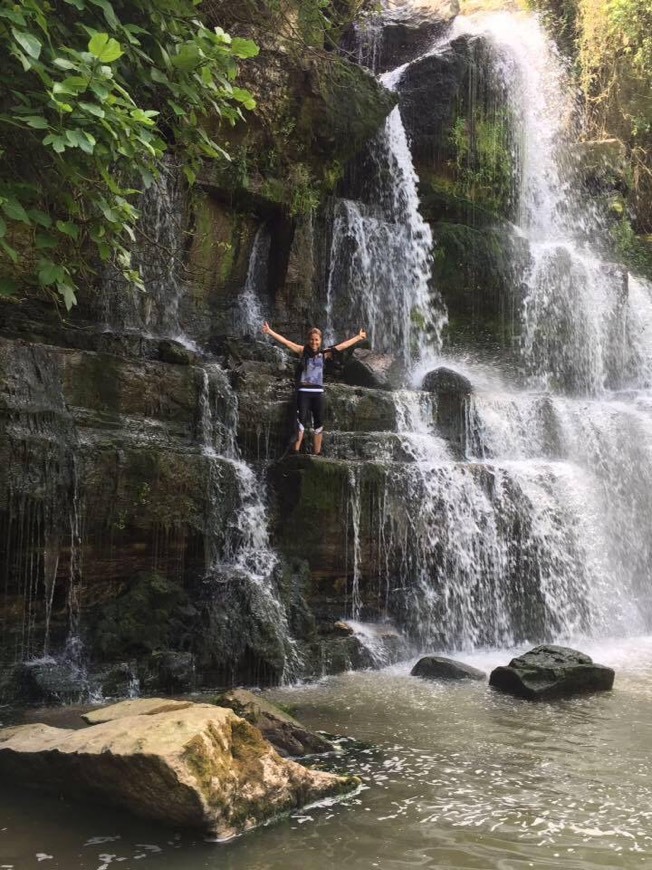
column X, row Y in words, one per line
column 455, row 776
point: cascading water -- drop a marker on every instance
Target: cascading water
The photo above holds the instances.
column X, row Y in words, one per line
column 238, row 547
column 381, row 254
column 541, row 531
column 158, row 254
column 249, row 313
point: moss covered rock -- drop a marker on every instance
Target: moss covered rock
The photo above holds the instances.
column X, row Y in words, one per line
column 197, row 766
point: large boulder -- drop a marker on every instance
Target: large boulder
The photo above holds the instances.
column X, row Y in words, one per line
column 284, row 732
column 196, row 766
column 366, row 368
column 440, row 668
column 548, row 672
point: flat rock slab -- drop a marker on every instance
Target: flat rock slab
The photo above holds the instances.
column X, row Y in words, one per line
column 549, row 672
column 440, row 668
column 284, row 732
column 199, row 766
column 134, row 707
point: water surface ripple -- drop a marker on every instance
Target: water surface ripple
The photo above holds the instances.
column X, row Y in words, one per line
column 455, row 776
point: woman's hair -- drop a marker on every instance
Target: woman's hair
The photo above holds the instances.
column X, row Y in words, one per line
column 314, row 331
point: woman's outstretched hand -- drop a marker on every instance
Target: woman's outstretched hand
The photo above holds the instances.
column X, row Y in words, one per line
column 362, row 334
column 266, row 328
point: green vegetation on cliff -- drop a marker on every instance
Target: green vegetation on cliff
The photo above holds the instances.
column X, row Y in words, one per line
column 611, row 45
column 92, row 93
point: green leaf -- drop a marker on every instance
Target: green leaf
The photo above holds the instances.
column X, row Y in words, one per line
column 244, row 97
column 144, row 117
column 244, row 48
column 58, row 142
column 36, row 121
column 49, row 273
column 62, row 63
column 92, row 109
column 68, row 228
column 188, row 57
column 8, row 286
column 105, row 48
column 11, row 252
column 39, row 217
column 109, row 14
column 73, row 85
column 14, row 210
column 28, row 42
column 67, row 292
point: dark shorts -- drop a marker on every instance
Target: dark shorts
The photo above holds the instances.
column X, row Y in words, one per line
column 309, row 405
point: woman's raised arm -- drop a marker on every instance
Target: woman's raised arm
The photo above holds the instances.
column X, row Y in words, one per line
column 267, row 330
column 351, row 341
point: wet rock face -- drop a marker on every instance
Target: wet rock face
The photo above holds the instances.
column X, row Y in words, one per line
column 453, row 409
column 549, row 672
column 439, row 668
column 365, row 368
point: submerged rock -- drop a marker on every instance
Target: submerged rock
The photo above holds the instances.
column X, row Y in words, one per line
column 284, row 732
column 440, row 668
column 196, row 766
column 548, row 672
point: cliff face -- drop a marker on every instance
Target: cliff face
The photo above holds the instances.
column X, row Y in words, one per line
column 130, row 522
column 152, row 535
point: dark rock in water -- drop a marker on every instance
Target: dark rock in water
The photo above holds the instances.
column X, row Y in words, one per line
column 175, row 353
column 365, row 368
column 44, row 681
column 288, row 736
column 168, row 671
column 443, row 380
column 439, row 668
column 453, row 411
column 548, row 672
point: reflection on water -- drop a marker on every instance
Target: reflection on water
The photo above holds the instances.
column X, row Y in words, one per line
column 455, row 777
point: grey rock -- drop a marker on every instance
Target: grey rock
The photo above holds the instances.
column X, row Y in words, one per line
column 366, row 368
column 548, row 672
column 440, row 668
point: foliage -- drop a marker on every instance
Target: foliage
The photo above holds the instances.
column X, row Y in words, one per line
column 484, row 169
column 301, row 23
column 94, row 92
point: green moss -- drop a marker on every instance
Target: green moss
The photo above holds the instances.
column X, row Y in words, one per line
column 152, row 613
column 634, row 251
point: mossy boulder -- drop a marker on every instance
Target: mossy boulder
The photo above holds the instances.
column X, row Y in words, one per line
column 288, row 736
column 196, row 766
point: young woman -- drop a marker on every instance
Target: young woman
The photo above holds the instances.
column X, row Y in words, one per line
column 310, row 387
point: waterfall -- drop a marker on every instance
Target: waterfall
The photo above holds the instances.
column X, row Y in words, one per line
column 381, row 255
column 539, row 530
column 238, row 547
column 153, row 309
column 574, row 313
column 250, row 311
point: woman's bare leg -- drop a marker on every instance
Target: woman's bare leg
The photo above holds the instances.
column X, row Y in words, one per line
column 317, row 442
